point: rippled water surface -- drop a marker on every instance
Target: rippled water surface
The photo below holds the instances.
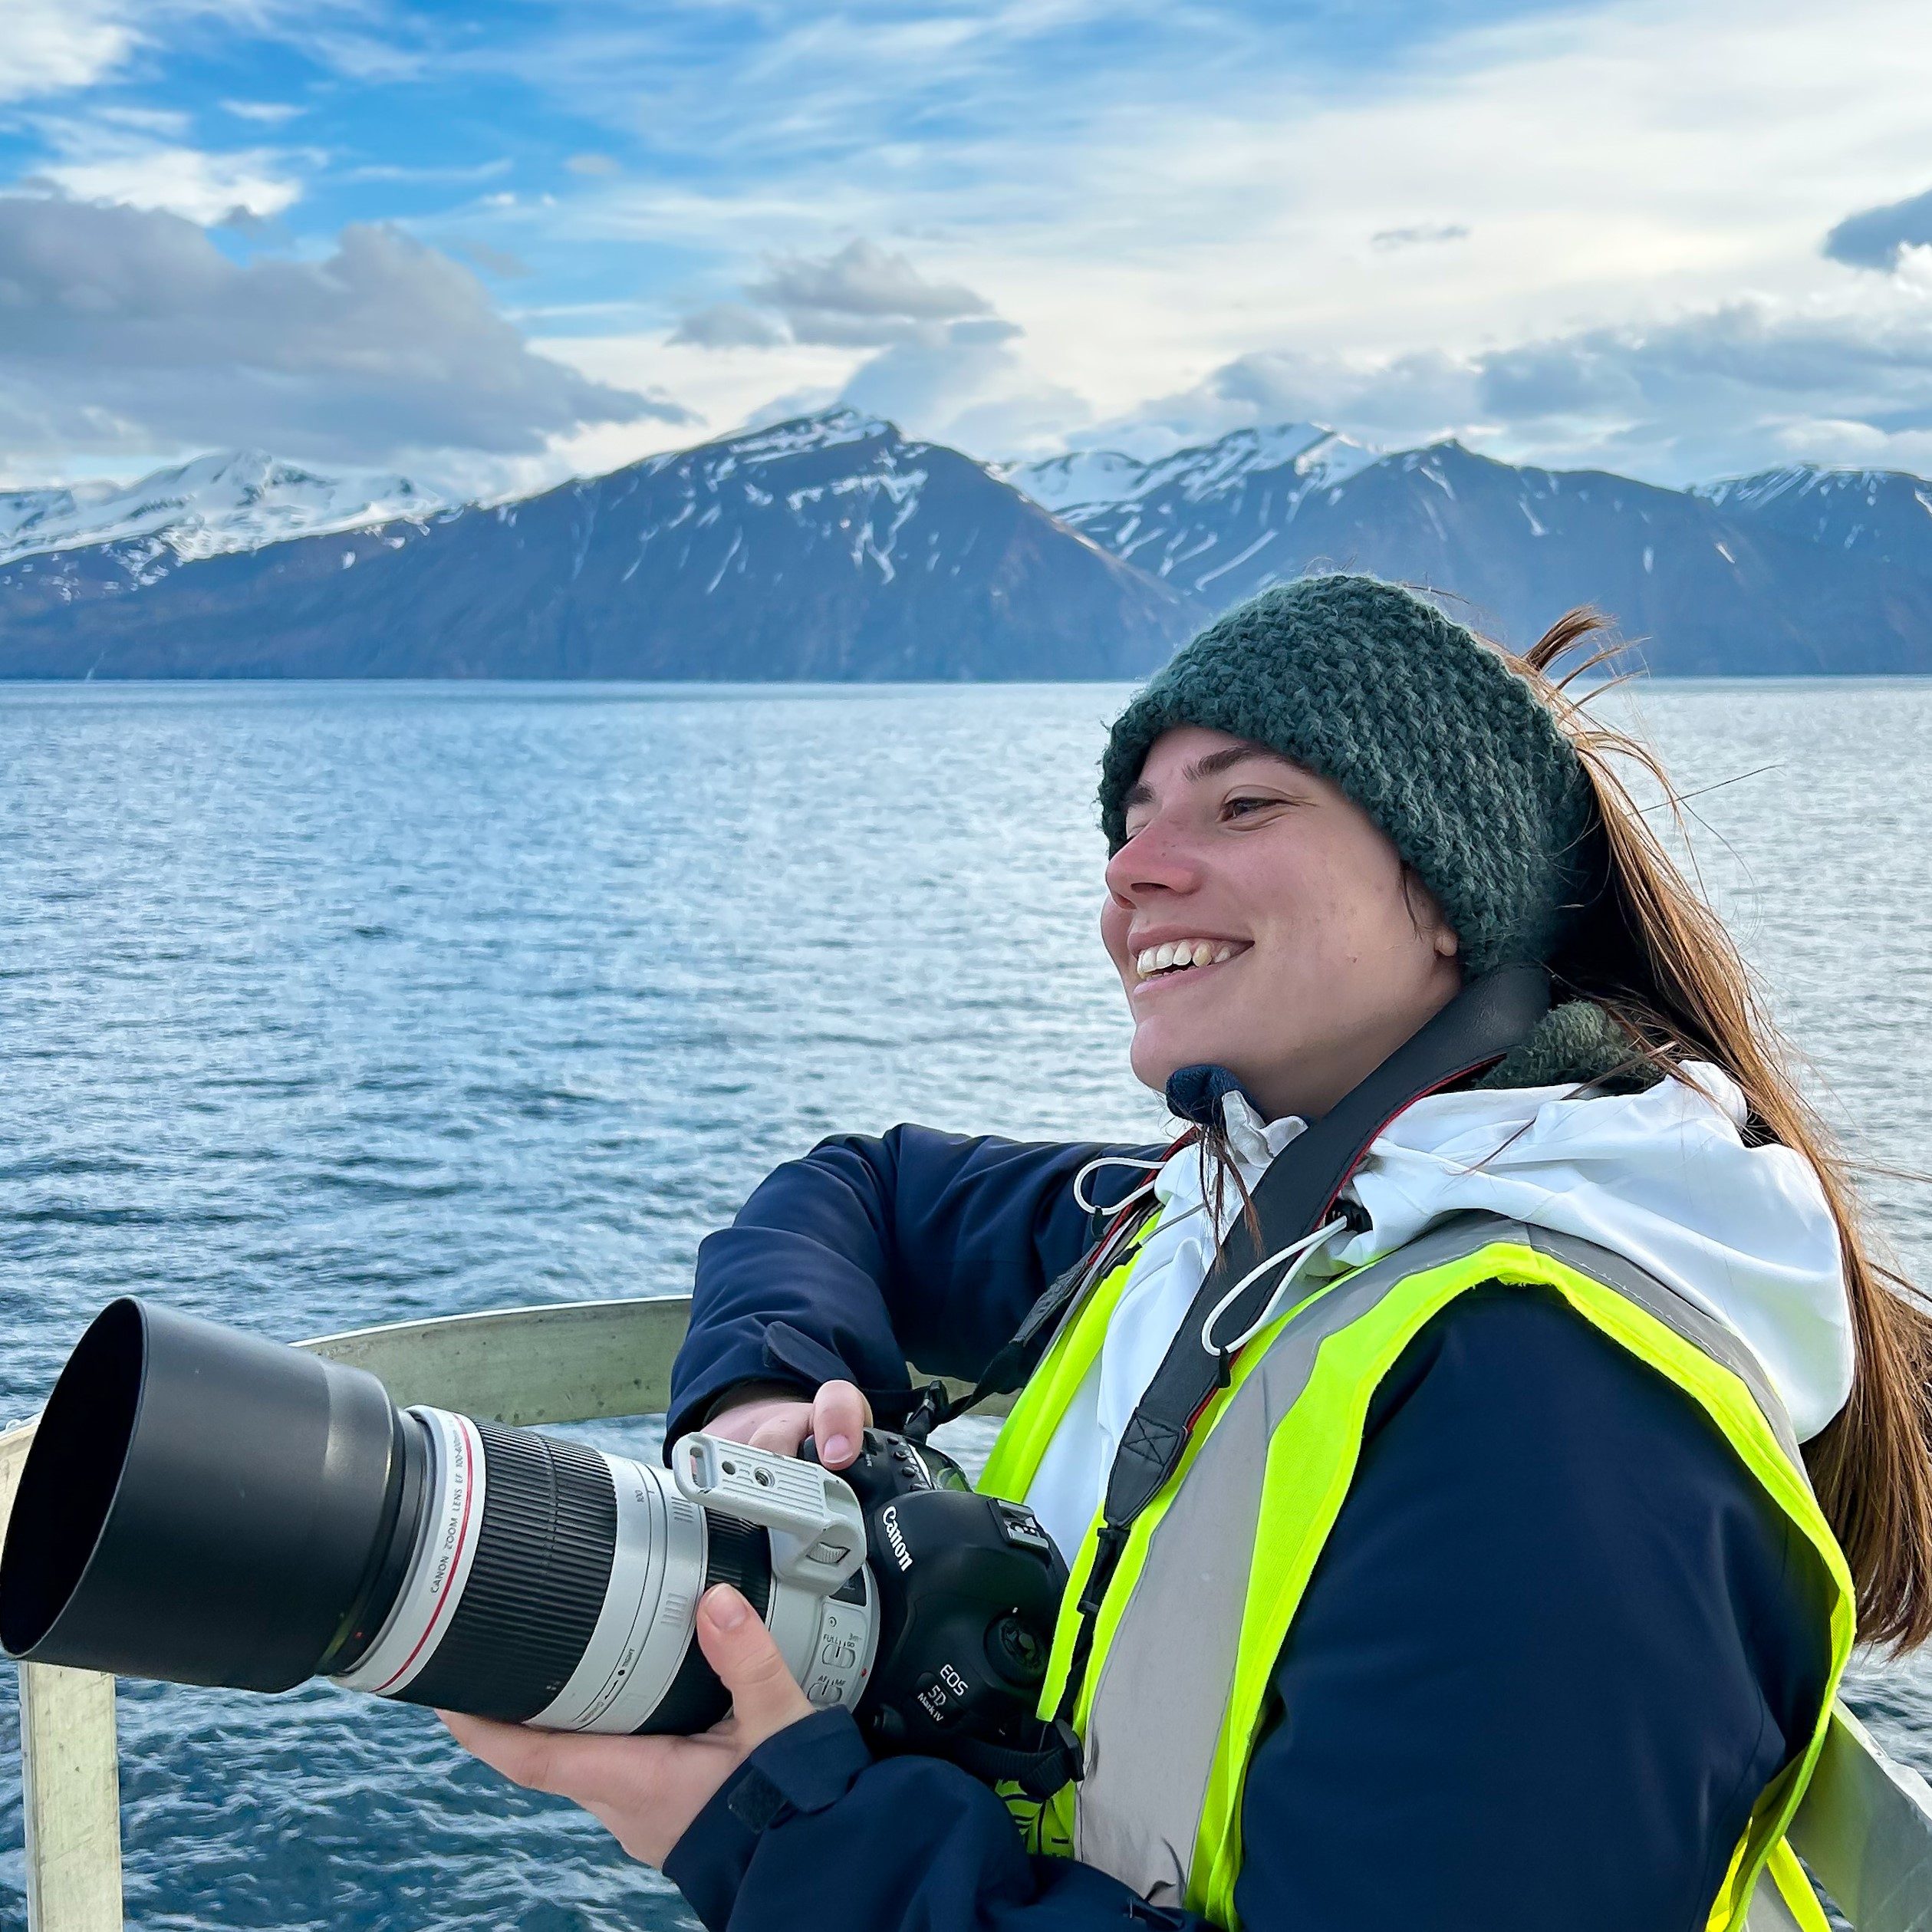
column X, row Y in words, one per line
column 331, row 1005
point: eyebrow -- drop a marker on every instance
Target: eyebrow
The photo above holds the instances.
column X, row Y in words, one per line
column 1141, row 793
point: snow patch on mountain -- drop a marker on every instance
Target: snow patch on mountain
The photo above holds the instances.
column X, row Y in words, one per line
column 1212, row 521
column 861, row 502
column 1057, row 483
column 1878, row 513
column 237, row 501
column 1767, row 486
column 826, row 430
column 1086, row 478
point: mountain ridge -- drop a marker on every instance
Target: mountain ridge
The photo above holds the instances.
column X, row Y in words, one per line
column 833, row 546
column 1796, row 571
column 827, row 547
column 225, row 500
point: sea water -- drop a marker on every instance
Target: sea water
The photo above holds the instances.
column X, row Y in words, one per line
column 324, row 1005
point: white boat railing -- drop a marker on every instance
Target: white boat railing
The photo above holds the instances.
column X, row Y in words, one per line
column 1864, row 1828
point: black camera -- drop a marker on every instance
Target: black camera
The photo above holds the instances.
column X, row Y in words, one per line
column 206, row 1507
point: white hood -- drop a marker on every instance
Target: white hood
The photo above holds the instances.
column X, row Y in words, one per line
column 1662, row 1177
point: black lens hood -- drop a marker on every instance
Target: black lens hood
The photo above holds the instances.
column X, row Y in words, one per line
column 198, row 1505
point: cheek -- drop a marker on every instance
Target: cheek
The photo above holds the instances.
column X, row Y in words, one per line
column 1327, row 907
column 1115, row 919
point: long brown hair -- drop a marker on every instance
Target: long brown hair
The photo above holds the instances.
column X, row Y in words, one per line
column 1647, row 947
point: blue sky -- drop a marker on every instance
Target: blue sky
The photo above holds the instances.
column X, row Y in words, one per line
column 497, row 244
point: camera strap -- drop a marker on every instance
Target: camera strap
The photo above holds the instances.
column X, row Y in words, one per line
column 1297, row 1196
column 1010, row 1369
column 916, row 1413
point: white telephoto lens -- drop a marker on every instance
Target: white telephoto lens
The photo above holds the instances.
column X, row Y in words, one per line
column 640, row 1645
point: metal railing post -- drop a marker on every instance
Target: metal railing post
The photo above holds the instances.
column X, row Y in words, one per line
column 70, row 1774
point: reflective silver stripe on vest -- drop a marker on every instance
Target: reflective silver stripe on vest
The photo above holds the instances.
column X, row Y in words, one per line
column 1769, row 1912
column 1164, row 1685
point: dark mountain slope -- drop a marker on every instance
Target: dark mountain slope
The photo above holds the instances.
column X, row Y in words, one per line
column 1873, row 516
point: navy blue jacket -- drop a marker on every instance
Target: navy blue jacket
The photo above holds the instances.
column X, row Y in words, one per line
column 1557, row 1642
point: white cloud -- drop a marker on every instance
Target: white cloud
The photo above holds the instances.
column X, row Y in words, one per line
column 729, row 325
column 203, row 188
column 1418, row 235
column 863, row 296
column 968, row 386
column 54, row 45
column 267, row 113
column 1591, row 233
column 860, row 296
column 116, row 157
column 722, row 387
column 945, row 366
column 1844, row 377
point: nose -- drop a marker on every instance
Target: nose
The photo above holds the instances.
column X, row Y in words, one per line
column 1158, row 858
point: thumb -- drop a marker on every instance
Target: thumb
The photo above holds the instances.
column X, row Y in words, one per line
column 764, row 1696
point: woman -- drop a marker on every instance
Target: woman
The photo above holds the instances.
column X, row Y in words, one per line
column 1496, row 1566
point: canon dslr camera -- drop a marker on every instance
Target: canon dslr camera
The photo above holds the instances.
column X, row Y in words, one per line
column 204, row 1506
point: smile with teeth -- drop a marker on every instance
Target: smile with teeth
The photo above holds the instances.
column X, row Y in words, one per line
column 1178, row 954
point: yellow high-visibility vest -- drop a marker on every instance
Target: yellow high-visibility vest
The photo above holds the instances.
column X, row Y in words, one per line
column 1190, row 1628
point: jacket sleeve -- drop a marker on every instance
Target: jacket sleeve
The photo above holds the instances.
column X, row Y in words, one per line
column 1555, row 1645
column 810, row 1835
column 913, row 1244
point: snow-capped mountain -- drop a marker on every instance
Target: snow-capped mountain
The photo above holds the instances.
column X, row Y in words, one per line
column 1795, row 570
column 1196, row 474
column 1881, row 515
column 238, row 501
column 832, row 547
column 1080, row 476
column 1215, row 521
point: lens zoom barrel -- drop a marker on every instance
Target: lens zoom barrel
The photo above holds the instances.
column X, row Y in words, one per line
column 537, row 1582
column 549, row 1582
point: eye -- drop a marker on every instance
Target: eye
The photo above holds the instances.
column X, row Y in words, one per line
column 1245, row 804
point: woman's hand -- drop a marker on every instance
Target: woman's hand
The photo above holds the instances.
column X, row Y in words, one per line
column 834, row 1419
column 647, row 1790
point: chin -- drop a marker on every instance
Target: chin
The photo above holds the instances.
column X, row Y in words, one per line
column 1153, row 1061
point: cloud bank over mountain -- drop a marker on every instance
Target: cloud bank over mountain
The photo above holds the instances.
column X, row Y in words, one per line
column 1753, row 383
column 125, row 328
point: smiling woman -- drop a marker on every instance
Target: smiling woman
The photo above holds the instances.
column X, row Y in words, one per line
column 1438, row 1498
column 1262, row 921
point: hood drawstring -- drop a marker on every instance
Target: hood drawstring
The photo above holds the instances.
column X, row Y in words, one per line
column 1300, row 1251
column 1108, row 1210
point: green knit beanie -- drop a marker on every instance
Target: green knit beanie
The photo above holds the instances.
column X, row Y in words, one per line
column 1450, row 751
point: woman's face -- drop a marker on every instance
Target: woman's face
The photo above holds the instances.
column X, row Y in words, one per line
column 1314, row 952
